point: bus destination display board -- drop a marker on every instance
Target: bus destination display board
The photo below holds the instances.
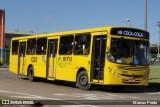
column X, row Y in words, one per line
column 130, row 32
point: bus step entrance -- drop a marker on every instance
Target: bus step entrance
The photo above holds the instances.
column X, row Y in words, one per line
column 51, row 78
column 98, row 74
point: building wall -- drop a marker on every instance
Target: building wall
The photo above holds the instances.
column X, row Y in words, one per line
column 2, row 35
column 2, row 26
column 6, row 49
column 10, row 35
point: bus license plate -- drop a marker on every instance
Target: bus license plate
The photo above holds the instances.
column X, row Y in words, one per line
column 131, row 80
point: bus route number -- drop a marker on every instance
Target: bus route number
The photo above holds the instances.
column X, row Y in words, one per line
column 33, row 59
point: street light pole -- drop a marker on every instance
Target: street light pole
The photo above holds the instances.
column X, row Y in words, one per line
column 129, row 20
column 145, row 15
column 158, row 40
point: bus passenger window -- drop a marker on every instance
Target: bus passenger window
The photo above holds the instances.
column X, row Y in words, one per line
column 82, row 44
column 31, row 46
column 41, row 46
column 66, row 45
column 15, row 44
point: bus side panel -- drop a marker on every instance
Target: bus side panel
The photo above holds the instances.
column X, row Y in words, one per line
column 65, row 69
column 13, row 66
column 82, row 61
column 27, row 63
column 68, row 66
column 40, row 66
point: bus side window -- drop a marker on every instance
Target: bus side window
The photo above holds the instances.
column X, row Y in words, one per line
column 41, row 46
column 31, row 46
column 82, row 44
column 66, row 45
column 15, row 44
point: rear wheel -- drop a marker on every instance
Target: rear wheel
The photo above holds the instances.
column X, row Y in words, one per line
column 31, row 74
column 82, row 81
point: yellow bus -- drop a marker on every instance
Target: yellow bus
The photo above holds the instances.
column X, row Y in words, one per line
column 113, row 56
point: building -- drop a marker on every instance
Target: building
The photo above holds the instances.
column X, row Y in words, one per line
column 6, row 48
column 5, row 39
column 2, row 34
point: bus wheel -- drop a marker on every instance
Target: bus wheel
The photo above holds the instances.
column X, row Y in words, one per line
column 31, row 74
column 82, row 81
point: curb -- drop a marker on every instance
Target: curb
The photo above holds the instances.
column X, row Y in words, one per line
column 4, row 66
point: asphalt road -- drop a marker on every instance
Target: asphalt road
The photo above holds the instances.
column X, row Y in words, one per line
column 18, row 86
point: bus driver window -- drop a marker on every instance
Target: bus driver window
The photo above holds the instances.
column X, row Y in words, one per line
column 15, row 44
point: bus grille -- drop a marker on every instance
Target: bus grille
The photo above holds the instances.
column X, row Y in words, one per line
column 133, row 68
column 135, row 76
column 128, row 82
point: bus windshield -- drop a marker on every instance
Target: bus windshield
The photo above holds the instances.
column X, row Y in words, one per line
column 127, row 51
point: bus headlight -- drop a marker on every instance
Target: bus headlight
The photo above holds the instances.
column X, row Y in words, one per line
column 113, row 72
column 118, row 75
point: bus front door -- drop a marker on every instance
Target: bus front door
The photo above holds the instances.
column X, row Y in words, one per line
column 98, row 58
column 51, row 57
column 21, row 57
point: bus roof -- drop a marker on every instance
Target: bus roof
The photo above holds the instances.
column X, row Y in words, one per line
column 99, row 29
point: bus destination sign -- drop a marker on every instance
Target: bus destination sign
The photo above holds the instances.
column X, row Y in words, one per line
column 130, row 32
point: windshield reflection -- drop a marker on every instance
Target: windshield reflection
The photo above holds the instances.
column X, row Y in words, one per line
column 126, row 51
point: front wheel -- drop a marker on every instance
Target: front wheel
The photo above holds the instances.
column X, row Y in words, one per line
column 30, row 75
column 82, row 81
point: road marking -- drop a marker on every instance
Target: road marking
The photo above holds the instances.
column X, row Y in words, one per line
column 134, row 97
column 154, row 93
column 24, row 95
column 28, row 97
column 97, row 96
column 60, row 94
column 2, row 90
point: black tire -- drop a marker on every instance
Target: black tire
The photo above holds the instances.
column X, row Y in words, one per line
column 82, row 81
column 30, row 75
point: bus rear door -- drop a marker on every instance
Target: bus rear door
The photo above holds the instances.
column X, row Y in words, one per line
column 21, row 57
column 51, row 57
column 98, row 58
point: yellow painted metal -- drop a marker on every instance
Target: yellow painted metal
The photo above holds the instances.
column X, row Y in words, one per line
column 51, row 67
column 21, row 65
column 13, row 64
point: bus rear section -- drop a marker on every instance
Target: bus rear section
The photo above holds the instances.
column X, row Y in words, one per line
column 28, row 56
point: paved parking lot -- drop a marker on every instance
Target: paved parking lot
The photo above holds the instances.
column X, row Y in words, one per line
column 18, row 86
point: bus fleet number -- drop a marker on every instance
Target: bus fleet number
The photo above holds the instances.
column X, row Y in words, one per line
column 33, row 59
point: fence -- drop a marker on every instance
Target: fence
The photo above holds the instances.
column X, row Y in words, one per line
column 154, row 60
column 4, row 56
